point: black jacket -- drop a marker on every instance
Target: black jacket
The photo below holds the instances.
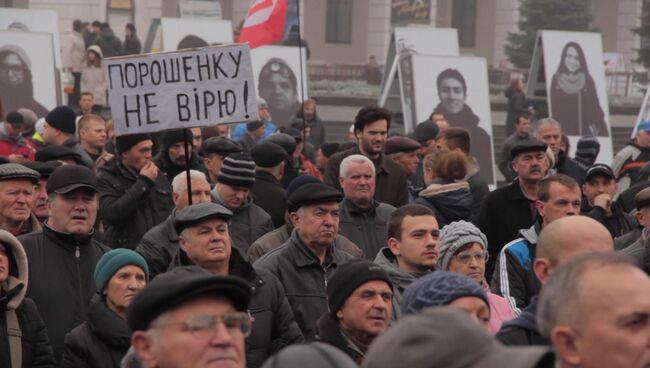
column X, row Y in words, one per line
column 100, row 342
column 505, row 211
column 159, row 245
column 304, row 279
column 61, row 268
column 329, row 332
column 365, row 227
column 74, row 145
column 522, row 331
column 170, row 169
column 479, row 189
column 132, row 45
column 130, row 205
column 567, row 166
column 274, row 326
column 517, row 105
column 450, row 201
column 618, row 223
column 269, row 194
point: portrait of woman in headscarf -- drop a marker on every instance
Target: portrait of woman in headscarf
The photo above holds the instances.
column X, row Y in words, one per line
column 574, row 99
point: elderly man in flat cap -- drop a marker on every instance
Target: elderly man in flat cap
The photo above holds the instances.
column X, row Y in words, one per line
column 215, row 150
column 205, row 242
column 637, row 252
column 63, row 256
column 16, row 199
column 188, row 319
column 41, row 201
column 404, row 151
column 60, row 129
column 305, row 262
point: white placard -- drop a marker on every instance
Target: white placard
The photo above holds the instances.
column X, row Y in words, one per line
column 189, row 88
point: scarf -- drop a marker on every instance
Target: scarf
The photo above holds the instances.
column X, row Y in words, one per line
column 571, row 83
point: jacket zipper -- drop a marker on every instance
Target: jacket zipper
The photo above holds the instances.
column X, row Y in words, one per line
column 77, row 255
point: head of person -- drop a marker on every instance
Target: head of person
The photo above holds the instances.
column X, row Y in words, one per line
column 529, row 161
column 308, row 109
column 197, row 140
column 200, row 189
column 357, row 179
column 255, row 129
column 404, row 151
column 60, row 124
column 587, row 150
column 642, row 203
column 15, row 69
column 65, row 155
column 517, row 84
column 29, row 120
column 409, row 342
column 270, row 158
column 86, row 102
column 223, row 130
column 443, row 288
column 134, row 150
column 314, row 210
column 14, row 124
column 572, row 59
column 16, row 193
column 522, row 125
column 452, row 90
column 438, row 118
column 549, row 131
column 414, row 238
column 94, row 56
column 425, row 133
column 96, row 26
column 129, row 29
column 277, row 85
column 593, row 313
column 642, row 137
column 203, row 234
column 92, row 132
column 371, row 129
column 599, row 179
column 463, row 249
column 215, row 150
column 567, row 238
column 359, row 296
column 447, row 165
column 325, row 152
column 314, row 355
column 41, row 201
column 557, row 196
column 173, row 142
column 13, row 273
column 77, row 25
column 73, row 199
column 235, row 180
column 454, row 139
column 187, row 318
column 263, row 110
column 119, row 276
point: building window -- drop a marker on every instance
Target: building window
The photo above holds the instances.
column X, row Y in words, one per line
column 338, row 28
column 463, row 18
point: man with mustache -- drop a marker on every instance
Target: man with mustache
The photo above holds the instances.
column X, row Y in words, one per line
column 359, row 298
column 362, row 218
column 508, row 209
column 63, row 256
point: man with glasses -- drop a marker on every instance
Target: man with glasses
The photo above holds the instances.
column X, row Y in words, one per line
column 189, row 319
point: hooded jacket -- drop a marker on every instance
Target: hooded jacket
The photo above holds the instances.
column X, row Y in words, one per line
column 15, row 145
column 450, row 201
column 93, row 78
column 36, row 348
column 523, row 331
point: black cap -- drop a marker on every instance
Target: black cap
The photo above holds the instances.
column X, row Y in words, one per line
column 197, row 213
column 220, row 146
column 329, row 148
column 425, row 131
column 172, row 289
column 312, row 193
column 283, row 140
column 124, row 143
column 171, row 137
column 642, row 199
column 299, row 181
column 45, row 169
column 62, row 118
column 599, row 169
column 398, row 144
column 55, row 153
column 268, row 154
column 15, row 119
column 13, row 171
column 527, row 146
column 66, row 178
column 349, row 277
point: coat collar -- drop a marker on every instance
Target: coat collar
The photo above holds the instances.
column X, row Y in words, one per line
column 304, row 257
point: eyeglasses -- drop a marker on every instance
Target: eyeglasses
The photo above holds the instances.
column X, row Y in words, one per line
column 203, row 326
column 466, row 257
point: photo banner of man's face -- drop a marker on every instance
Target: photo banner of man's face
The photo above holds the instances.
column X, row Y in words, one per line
column 178, row 33
column 190, row 88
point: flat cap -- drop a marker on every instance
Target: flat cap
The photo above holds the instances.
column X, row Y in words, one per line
column 172, row 289
column 425, row 131
column 642, row 199
column 62, row 118
column 197, row 213
column 57, row 153
column 283, row 140
column 66, row 178
column 220, row 146
column 527, row 146
column 13, row 171
column 599, row 169
column 312, row 193
column 44, row 169
column 268, row 154
column 398, row 144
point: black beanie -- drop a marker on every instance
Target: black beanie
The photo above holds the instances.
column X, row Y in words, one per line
column 349, row 277
column 62, row 118
column 171, row 137
column 124, row 143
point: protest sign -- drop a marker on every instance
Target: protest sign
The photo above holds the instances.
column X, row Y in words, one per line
column 190, row 88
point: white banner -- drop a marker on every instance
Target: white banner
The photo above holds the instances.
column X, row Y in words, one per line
column 199, row 87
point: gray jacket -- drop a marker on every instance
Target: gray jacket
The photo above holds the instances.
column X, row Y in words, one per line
column 159, row 246
column 637, row 252
column 365, row 227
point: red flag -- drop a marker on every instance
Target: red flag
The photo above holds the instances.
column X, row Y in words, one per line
column 264, row 22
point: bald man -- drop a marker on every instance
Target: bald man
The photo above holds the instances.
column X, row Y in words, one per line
column 559, row 242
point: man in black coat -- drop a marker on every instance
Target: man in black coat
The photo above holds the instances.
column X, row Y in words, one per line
column 171, row 158
column 268, row 191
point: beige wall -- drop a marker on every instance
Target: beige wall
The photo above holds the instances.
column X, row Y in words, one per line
column 604, row 22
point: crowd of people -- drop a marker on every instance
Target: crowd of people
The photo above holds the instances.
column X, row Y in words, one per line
column 264, row 245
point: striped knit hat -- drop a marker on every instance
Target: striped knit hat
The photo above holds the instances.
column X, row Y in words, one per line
column 238, row 170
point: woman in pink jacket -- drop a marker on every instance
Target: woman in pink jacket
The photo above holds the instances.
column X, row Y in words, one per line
column 463, row 249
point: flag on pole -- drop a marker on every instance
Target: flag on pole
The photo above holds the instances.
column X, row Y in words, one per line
column 264, row 22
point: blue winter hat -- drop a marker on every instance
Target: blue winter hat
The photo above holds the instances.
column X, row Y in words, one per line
column 112, row 261
column 439, row 288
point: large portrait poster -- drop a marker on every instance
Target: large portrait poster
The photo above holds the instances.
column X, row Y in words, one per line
column 458, row 88
column 33, row 20
column 184, row 33
column 278, row 80
column 576, row 86
column 27, row 71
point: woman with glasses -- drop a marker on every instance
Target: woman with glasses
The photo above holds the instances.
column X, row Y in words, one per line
column 463, row 249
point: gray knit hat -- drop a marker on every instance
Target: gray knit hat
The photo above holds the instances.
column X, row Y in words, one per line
column 454, row 236
column 238, row 170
